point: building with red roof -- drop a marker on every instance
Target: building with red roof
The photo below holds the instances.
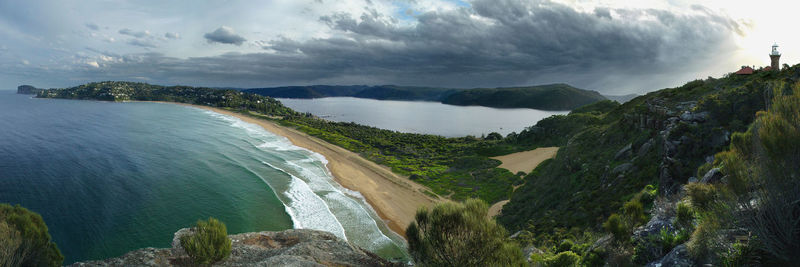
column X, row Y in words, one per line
column 746, row 70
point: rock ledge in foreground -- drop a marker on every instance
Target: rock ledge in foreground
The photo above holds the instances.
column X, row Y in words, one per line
column 296, row 247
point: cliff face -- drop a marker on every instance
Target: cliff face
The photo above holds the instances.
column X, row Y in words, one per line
column 296, row 247
column 27, row 90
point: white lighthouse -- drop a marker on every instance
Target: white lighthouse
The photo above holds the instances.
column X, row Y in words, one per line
column 775, row 57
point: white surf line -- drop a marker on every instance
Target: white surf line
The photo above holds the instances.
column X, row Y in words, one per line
column 352, row 202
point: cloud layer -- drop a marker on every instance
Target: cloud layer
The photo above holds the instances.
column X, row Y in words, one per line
column 484, row 43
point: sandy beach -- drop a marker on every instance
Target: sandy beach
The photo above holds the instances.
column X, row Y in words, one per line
column 395, row 198
column 524, row 161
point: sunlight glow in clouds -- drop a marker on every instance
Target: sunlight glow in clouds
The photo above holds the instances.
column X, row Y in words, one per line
column 615, row 47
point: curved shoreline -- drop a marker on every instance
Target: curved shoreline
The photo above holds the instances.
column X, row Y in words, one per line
column 394, row 198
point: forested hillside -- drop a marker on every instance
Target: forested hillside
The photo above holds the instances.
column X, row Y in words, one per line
column 631, row 183
column 132, row 91
column 545, row 97
column 619, row 159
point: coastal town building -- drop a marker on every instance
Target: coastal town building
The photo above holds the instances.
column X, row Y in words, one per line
column 746, row 70
column 775, row 63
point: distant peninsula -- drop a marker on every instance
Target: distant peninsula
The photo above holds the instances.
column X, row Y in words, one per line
column 545, row 97
column 27, row 90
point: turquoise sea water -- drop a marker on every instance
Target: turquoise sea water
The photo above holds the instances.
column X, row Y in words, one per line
column 113, row 177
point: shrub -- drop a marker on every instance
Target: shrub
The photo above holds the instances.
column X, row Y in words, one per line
column 24, row 236
column 701, row 195
column 460, row 234
column 684, row 216
column 741, row 254
column 704, row 241
column 669, row 239
column 11, row 253
column 595, row 258
column 209, row 243
column 564, row 259
column 634, row 211
column 617, row 228
column 565, row 245
column 538, row 259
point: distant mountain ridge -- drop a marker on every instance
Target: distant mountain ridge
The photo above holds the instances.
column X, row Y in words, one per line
column 545, row 97
column 622, row 98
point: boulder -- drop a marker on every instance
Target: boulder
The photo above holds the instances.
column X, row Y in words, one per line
column 695, row 117
column 622, row 168
column 712, row 176
column 645, row 148
column 644, row 236
column 625, row 152
column 679, row 256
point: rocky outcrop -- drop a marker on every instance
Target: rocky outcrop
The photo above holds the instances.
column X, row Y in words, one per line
column 296, row 247
column 27, row 90
column 679, row 256
column 625, row 152
column 712, row 176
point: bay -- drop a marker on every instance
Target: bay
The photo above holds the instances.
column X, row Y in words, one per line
column 421, row 117
column 109, row 178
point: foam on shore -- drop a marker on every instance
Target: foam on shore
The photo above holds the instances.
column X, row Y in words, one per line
column 309, row 193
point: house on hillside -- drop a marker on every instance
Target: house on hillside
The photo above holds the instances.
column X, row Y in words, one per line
column 746, row 70
column 774, row 58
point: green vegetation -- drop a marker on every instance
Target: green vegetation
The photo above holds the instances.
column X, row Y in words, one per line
column 460, row 234
column 209, row 243
column 131, row 91
column 546, row 97
column 592, row 177
column 24, row 239
column 451, row 167
column 381, row 92
column 563, row 259
column 614, row 160
column 761, row 193
column 458, row 168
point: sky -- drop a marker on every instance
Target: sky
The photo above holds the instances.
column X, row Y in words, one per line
column 614, row 47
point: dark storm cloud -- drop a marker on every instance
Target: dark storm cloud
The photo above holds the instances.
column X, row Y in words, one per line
column 491, row 43
column 224, row 35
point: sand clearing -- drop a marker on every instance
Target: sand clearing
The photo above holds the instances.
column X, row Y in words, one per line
column 495, row 209
column 394, row 198
column 525, row 162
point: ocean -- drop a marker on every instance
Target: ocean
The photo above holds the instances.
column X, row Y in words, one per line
column 422, row 117
column 109, row 177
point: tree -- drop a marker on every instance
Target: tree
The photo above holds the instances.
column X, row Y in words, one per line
column 209, row 243
column 24, row 239
column 762, row 169
column 460, row 234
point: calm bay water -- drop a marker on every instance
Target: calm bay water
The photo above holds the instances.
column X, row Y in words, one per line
column 421, row 117
column 113, row 177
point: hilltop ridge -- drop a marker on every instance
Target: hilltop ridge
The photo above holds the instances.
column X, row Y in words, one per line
column 545, row 97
